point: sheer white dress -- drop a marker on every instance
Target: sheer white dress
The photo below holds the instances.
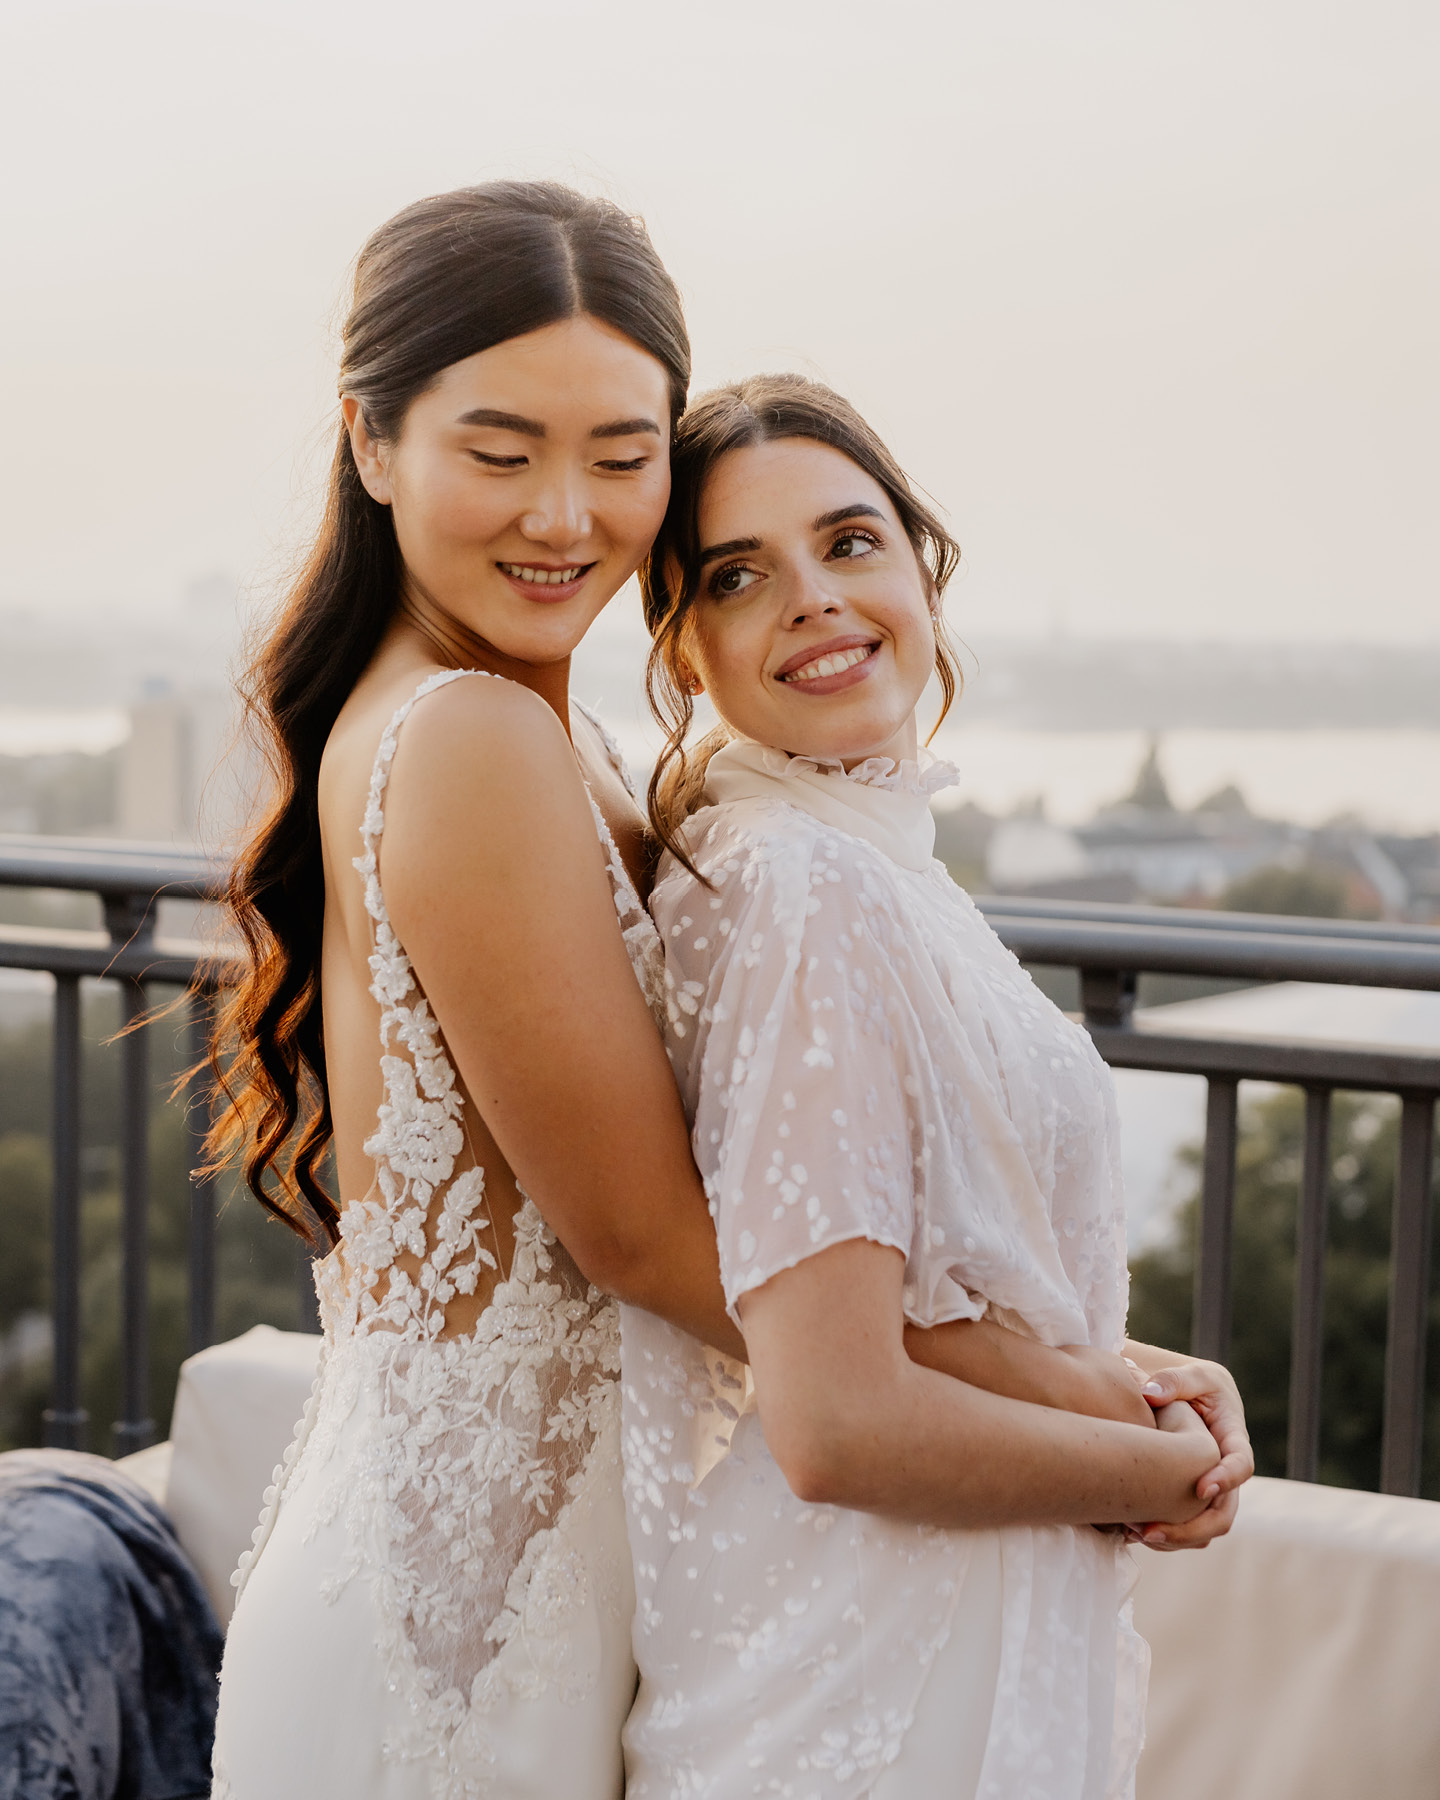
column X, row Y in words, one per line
column 439, row 1600
column 860, row 1057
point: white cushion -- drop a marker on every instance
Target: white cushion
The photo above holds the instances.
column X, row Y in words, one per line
column 151, row 1468
column 235, row 1411
column 1295, row 1659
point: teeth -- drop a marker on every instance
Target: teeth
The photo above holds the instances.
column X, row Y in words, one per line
column 542, row 577
column 834, row 664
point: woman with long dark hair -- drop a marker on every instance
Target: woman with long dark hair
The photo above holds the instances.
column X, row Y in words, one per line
column 439, row 1601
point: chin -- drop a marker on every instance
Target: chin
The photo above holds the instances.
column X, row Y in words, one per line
column 854, row 745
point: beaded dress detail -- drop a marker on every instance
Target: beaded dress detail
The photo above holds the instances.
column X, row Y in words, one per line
column 452, row 1458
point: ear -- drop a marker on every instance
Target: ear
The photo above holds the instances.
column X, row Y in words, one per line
column 689, row 680
column 370, row 458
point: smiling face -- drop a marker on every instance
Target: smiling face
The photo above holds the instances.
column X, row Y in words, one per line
column 527, row 483
column 812, row 628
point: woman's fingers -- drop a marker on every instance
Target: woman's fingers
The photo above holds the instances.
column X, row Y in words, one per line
column 1210, row 1389
column 1203, row 1529
column 1192, row 1380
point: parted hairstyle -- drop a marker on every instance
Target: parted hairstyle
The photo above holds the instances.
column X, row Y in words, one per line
column 443, row 280
column 759, row 410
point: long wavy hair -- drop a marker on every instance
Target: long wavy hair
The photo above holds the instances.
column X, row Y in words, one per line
column 759, row 410
column 444, row 279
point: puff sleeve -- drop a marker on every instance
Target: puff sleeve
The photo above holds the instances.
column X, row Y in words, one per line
column 793, row 1041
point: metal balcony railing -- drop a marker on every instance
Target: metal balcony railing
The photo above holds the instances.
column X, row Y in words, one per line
column 1110, row 947
column 129, row 879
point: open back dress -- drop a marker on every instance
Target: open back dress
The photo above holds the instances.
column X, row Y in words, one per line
column 439, row 1599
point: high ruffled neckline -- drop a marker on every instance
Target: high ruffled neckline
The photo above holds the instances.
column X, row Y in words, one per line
column 884, row 801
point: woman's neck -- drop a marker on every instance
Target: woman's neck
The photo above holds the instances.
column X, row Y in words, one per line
column 439, row 637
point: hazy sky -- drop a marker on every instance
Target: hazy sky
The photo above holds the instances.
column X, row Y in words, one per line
column 1144, row 292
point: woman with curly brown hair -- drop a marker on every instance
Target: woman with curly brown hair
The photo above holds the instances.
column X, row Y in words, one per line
column 888, row 1586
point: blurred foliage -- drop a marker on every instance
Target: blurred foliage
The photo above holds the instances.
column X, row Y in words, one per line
column 258, row 1262
column 1363, row 1149
column 1311, row 891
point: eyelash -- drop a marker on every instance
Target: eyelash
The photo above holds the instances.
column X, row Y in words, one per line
column 866, row 537
column 840, row 537
column 632, row 467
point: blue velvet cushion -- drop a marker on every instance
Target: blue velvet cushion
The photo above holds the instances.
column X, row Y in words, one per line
column 109, row 1648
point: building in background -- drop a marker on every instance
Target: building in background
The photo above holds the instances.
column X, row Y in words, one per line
column 1219, row 853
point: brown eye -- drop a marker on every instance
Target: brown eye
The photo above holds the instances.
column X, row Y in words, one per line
column 853, row 544
column 733, row 580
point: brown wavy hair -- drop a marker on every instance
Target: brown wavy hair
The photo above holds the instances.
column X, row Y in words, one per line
column 441, row 281
column 760, row 410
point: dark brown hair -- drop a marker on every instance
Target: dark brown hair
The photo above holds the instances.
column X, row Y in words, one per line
column 760, row 410
column 441, row 281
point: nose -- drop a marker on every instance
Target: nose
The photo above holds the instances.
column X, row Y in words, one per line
column 558, row 514
column 809, row 599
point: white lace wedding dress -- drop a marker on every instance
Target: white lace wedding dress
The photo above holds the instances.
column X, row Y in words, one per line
column 439, row 1600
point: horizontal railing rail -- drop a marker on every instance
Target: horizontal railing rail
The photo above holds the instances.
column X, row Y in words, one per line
column 1222, row 924
column 1109, row 946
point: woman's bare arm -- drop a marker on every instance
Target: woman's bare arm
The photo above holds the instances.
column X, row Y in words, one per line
column 853, row 1421
column 496, row 885
column 1073, row 1378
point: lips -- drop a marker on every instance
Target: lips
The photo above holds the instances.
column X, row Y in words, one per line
column 823, row 662
column 539, row 575
column 545, row 582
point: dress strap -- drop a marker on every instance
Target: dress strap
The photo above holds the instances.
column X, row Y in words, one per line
column 372, row 826
column 612, row 749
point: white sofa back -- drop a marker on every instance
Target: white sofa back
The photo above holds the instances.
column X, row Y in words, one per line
column 1299, row 1657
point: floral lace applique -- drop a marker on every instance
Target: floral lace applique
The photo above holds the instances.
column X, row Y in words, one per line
column 450, row 1456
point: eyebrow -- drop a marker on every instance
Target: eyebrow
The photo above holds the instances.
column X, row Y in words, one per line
column 841, row 513
column 734, row 546
column 508, row 421
column 626, row 428
column 502, row 421
column 731, row 547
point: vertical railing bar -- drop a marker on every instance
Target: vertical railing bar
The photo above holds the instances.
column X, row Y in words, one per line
column 65, row 1419
column 1409, row 1299
column 1307, row 1331
column 134, row 1429
column 201, row 1246
column 1210, row 1327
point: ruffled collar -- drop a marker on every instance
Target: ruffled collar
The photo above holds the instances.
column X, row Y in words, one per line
column 885, row 802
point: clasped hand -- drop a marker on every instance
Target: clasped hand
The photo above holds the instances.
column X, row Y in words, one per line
column 1177, row 1395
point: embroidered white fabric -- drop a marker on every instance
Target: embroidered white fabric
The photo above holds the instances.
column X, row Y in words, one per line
column 860, row 1057
column 452, row 1459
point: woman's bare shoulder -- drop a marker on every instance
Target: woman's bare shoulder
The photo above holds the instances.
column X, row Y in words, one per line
column 484, row 742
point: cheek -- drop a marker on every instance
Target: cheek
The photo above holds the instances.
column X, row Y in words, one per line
column 438, row 509
column 734, row 661
column 632, row 515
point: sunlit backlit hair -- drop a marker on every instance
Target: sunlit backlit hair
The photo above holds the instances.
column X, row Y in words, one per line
column 760, row 410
